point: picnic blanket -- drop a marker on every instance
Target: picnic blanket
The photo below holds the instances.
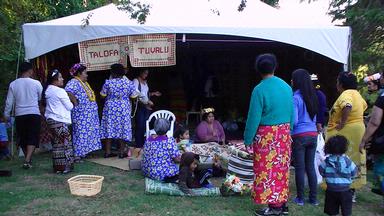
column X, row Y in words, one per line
column 172, row 189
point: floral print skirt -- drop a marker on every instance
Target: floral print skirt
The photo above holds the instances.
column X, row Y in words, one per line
column 272, row 153
column 62, row 150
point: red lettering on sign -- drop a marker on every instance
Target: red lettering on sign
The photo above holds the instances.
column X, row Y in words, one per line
column 153, row 50
column 103, row 54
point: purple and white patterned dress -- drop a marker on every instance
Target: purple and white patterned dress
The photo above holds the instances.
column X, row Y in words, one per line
column 158, row 158
column 85, row 121
column 116, row 119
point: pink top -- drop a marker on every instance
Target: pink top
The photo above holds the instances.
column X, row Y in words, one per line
column 204, row 133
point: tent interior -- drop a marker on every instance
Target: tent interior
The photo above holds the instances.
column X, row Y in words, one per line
column 229, row 59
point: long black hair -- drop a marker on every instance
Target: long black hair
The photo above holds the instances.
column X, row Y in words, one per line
column 301, row 80
column 52, row 76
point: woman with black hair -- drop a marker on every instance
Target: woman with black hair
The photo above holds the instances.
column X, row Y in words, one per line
column 85, row 117
column 58, row 114
column 304, row 134
column 210, row 130
column 116, row 120
column 346, row 119
column 145, row 106
column 269, row 121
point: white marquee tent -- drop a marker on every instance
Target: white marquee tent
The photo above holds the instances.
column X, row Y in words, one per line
column 258, row 20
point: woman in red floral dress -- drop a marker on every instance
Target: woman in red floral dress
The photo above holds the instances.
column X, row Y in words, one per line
column 268, row 131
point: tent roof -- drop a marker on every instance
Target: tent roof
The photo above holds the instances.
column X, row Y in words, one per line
column 258, row 20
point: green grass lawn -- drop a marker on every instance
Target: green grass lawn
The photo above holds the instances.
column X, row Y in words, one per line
column 40, row 192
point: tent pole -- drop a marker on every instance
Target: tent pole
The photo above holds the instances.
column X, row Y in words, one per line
column 13, row 109
column 350, row 59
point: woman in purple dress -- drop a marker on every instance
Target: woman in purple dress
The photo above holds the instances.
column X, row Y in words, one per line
column 210, row 130
column 116, row 120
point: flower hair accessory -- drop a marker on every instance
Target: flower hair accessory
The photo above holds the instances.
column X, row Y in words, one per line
column 207, row 110
column 74, row 69
column 314, row 77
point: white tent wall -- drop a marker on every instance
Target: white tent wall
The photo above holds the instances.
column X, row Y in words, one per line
column 257, row 21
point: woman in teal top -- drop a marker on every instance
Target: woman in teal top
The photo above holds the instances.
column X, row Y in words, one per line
column 269, row 122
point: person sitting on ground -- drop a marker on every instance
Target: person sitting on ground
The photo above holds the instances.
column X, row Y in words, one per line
column 210, row 130
column 182, row 139
column 338, row 171
column 160, row 154
column 192, row 175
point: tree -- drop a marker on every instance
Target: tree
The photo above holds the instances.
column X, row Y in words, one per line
column 14, row 13
column 366, row 18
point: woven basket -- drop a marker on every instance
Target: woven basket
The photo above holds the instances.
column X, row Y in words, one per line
column 85, row 185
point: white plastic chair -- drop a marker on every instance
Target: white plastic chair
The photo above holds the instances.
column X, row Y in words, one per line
column 161, row 114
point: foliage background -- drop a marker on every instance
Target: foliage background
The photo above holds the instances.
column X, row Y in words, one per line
column 14, row 13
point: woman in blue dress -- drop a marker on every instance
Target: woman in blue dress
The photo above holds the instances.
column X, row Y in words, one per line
column 85, row 117
column 116, row 120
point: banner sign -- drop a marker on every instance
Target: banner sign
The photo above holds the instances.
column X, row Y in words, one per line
column 152, row 50
column 100, row 54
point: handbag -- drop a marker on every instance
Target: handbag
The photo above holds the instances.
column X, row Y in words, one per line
column 319, row 156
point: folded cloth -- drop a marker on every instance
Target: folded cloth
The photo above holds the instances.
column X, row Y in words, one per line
column 172, row 189
column 239, row 153
column 210, row 152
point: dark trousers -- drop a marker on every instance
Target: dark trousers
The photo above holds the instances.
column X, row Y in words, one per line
column 142, row 115
column 304, row 149
column 202, row 177
column 336, row 200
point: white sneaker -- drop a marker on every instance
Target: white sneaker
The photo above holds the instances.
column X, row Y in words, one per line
column 354, row 197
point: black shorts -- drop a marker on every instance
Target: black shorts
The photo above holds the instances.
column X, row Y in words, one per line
column 28, row 130
column 336, row 200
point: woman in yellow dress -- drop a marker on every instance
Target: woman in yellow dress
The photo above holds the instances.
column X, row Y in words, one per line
column 346, row 118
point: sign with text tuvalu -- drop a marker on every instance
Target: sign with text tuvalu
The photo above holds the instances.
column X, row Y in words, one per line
column 100, row 54
column 152, row 50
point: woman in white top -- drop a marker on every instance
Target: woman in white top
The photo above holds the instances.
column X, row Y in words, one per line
column 145, row 106
column 58, row 114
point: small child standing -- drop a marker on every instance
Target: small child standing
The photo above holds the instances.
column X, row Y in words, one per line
column 4, row 151
column 338, row 171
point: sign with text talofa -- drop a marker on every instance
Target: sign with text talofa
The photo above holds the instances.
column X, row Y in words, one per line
column 152, row 50
column 100, row 54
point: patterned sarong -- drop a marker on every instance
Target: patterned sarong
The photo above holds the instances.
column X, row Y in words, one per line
column 62, row 150
column 272, row 153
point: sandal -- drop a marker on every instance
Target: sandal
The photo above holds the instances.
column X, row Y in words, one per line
column 27, row 165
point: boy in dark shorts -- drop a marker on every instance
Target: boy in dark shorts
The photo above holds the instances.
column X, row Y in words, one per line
column 338, row 171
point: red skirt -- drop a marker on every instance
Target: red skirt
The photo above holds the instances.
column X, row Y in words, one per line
column 272, row 154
